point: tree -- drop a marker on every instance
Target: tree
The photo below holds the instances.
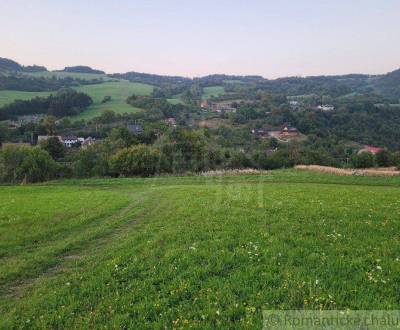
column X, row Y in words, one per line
column 107, row 116
column 106, row 99
column 137, row 160
column 37, row 166
column 49, row 123
column 383, row 158
column 3, row 133
column 273, row 143
column 26, row 164
column 363, row 160
column 11, row 158
column 54, row 147
column 121, row 136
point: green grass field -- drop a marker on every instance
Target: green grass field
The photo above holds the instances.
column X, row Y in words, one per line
column 85, row 76
column 175, row 100
column 119, row 92
column 7, row 97
column 198, row 252
column 208, row 92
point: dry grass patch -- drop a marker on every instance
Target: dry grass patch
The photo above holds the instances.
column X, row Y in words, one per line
column 387, row 171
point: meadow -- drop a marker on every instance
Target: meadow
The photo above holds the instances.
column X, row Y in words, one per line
column 119, row 92
column 7, row 97
column 211, row 91
column 203, row 252
column 75, row 75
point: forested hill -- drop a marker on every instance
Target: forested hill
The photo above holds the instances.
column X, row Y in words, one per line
column 387, row 85
column 153, row 79
column 7, row 65
column 81, row 69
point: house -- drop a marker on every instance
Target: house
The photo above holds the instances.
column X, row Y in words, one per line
column 135, row 129
column 222, row 107
column 68, row 141
column 294, row 104
column 370, row 149
column 12, row 124
column 88, row 142
column 171, row 122
column 204, row 104
column 289, row 131
column 261, row 132
column 326, row 107
column 71, row 141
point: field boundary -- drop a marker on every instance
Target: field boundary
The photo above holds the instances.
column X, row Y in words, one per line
column 389, row 171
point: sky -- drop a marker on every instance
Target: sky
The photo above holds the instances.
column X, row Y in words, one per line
column 195, row 38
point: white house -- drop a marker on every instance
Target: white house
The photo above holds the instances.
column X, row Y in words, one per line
column 326, row 107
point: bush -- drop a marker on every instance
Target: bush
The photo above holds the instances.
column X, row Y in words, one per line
column 363, row 160
column 25, row 164
column 54, row 147
column 92, row 161
column 37, row 166
column 383, row 158
column 137, row 160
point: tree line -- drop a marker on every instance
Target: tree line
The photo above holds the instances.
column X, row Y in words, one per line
column 174, row 151
column 66, row 102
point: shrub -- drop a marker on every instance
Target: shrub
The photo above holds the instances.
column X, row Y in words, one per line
column 137, row 160
column 54, row 147
column 363, row 160
column 26, row 164
column 383, row 158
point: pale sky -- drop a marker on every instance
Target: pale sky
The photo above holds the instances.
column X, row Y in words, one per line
column 199, row 37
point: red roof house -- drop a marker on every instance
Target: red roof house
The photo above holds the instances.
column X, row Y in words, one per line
column 370, row 149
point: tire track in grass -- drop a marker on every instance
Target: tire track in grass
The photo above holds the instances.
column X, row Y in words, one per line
column 16, row 289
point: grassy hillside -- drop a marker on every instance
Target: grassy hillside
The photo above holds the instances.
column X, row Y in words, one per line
column 7, row 97
column 119, row 92
column 85, row 76
column 194, row 251
column 208, row 92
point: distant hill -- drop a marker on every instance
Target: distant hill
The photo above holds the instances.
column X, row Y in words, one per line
column 34, row 68
column 386, row 85
column 9, row 65
column 82, row 69
column 389, row 84
column 153, row 79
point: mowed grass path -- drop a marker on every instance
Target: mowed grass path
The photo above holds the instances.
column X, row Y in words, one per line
column 191, row 251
